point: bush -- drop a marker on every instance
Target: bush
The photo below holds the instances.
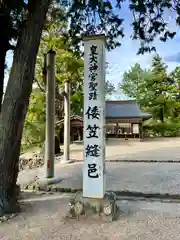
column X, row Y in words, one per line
column 170, row 129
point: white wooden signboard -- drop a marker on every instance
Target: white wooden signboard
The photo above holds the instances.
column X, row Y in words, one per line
column 136, row 128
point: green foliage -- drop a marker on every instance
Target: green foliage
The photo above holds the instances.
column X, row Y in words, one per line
column 92, row 17
column 97, row 16
column 167, row 129
column 34, row 126
column 77, row 103
column 157, row 92
column 133, row 81
column 149, row 21
column 68, row 67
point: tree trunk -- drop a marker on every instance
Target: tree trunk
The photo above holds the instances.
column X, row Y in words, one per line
column 16, row 102
column 162, row 114
column 162, row 119
column 59, row 104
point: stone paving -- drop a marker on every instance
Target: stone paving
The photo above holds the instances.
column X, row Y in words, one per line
column 44, row 219
column 140, row 177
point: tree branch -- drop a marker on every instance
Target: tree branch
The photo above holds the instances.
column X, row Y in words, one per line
column 39, row 85
column 11, row 47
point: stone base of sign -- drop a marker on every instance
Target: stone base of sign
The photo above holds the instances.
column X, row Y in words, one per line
column 104, row 209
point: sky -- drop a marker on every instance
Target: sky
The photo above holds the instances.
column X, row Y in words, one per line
column 122, row 58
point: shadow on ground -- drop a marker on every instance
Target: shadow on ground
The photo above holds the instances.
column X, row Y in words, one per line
column 43, row 218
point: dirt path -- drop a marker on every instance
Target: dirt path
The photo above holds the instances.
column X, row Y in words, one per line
column 43, row 218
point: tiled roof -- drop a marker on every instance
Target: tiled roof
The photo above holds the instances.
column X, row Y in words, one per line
column 128, row 108
column 118, row 109
column 73, row 117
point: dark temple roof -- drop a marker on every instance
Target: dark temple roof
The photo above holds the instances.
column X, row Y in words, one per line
column 73, row 117
column 124, row 109
column 120, row 109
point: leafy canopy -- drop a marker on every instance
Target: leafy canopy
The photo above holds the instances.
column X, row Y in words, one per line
column 155, row 89
column 98, row 16
column 157, row 92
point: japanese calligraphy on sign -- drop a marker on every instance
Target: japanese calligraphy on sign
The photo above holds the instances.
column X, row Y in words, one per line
column 92, row 150
column 92, row 131
column 93, row 67
column 92, row 170
column 93, row 116
column 92, row 112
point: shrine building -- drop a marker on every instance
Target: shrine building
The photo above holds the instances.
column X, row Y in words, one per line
column 123, row 119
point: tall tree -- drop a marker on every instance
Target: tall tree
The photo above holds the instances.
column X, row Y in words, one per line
column 175, row 91
column 175, row 76
column 16, row 100
column 68, row 65
column 154, row 89
column 34, row 126
column 133, row 82
column 161, row 85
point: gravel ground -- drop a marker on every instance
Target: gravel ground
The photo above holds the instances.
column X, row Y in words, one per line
column 141, row 177
column 164, row 149
column 43, row 218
